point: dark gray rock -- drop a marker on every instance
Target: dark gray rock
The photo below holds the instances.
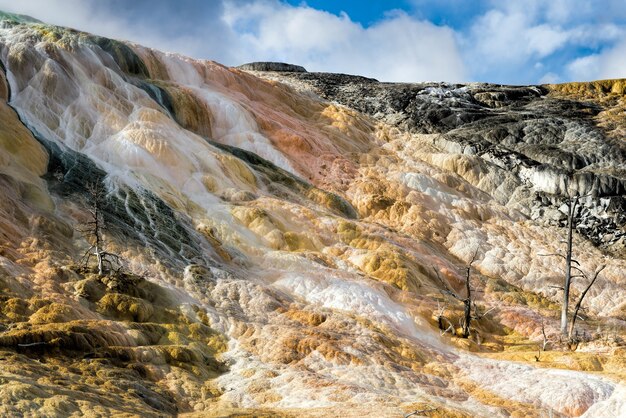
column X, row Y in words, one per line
column 272, row 66
column 141, row 217
column 553, row 146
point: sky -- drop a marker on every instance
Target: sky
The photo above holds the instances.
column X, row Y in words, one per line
column 508, row 42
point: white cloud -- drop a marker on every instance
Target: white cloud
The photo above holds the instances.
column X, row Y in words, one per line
column 277, row 27
column 584, row 68
column 397, row 48
column 513, row 37
column 500, row 43
column 549, row 78
column 58, row 12
column 594, row 35
column 611, row 63
column 509, row 38
column 542, row 40
column 112, row 19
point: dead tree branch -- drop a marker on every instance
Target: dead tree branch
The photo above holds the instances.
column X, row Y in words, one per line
column 465, row 322
column 467, row 302
column 582, row 297
column 545, row 337
column 93, row 230
column 442, row 320
column 419, row 412
column 571, row 209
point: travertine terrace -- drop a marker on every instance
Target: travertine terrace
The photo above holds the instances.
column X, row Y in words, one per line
column 281, row 231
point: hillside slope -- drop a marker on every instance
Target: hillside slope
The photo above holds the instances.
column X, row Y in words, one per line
column 281, row 251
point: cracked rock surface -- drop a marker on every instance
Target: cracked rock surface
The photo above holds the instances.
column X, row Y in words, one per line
column 548, row 142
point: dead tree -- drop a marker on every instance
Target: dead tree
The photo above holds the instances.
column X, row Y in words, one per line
column 580, row 300
column 571, row 209
column 581, row 274
column 545, row 341
column 468, row 302
column 420, row 412
column 94, row 229
column 444, row 323
column 570, row 265
column 572, row 203
column 545, row 337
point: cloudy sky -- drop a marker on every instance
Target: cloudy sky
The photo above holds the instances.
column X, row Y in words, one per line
column 513, row 42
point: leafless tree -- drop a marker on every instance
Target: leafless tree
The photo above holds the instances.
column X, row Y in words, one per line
column 582, row 297
column 545, row 337
column 419, row 412
column 93, row 231
column 545, row 341
column 444, row 323
column 468, row 303
column 571, row 210
column 570, row 263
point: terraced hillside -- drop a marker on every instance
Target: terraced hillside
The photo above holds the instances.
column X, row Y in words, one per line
column 285, row 246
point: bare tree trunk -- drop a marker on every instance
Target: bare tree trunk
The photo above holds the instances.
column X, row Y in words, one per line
column 95, row 228
column 467, row 309
column 580, row 301
column 467, row 301
column 97, row 234
column 568, row 264
column 467, row 317
column 100, row 263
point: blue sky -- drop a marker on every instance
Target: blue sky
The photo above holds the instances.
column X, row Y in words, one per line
column 510, row 42
column 441, row 12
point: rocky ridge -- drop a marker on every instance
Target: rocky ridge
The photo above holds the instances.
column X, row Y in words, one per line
column 541, row 144
column 272, row 66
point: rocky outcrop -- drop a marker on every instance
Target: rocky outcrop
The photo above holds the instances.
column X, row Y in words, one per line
column 272, row 66
column 553, row 144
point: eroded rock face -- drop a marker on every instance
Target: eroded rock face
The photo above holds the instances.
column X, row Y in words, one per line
column 552, row 139
column 272, row 66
